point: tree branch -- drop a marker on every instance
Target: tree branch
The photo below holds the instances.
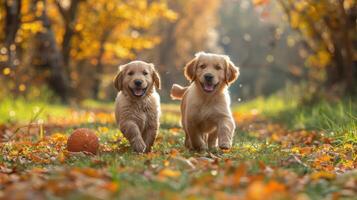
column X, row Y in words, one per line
column 62, row 11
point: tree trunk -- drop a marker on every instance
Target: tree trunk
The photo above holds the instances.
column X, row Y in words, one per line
column 335, row 70
column 98, row 73
column 69, row 17
column 347, row 53
column 50, row 57
column 12, row 25
column 167, row 51
column 99, row 66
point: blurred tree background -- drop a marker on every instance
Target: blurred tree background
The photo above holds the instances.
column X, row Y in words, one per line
column 71, row 48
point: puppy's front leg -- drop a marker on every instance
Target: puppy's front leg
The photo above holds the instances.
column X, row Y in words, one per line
column 226, row 129
column 149, row 138
column 212, row 139
column 196, row 139
column 132, row 133
column 187, row 141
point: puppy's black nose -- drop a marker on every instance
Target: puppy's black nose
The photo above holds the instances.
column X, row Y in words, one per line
column 138, row 82
column 208, row 77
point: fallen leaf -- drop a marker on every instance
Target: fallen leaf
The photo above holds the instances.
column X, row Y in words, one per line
column 169, row 173
column 322, row 175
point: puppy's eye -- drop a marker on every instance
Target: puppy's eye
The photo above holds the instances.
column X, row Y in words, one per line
column 145, row 73
column 131, row 73
column 217, row 67
column 202, row 66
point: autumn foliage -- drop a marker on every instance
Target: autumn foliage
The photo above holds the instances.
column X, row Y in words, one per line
column 55, row 41
column 59, row 139
column 328, row 28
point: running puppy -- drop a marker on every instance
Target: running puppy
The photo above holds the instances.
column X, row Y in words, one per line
column 206, row 116
column 137, row 105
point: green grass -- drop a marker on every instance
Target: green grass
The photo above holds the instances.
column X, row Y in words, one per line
column 338, row 119
column 267, row 106
column 21, row 110
column 93, row 104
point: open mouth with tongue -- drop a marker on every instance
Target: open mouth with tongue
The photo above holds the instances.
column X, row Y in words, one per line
column 138, row 91
column 208, row 86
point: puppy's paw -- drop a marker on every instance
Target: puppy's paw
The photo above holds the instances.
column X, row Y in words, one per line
column 225, row 146
column 188, row 144
column 148, row 149
column 139, row 147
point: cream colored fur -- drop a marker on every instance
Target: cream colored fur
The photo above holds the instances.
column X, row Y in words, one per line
column 138, row 117
column 206, row 116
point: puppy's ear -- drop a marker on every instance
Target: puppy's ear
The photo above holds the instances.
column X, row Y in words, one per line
column 232, row 72
column 156, row 77
column 118, row 80
column 190, row 69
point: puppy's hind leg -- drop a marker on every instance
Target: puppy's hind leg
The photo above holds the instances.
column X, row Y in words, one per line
column 132, row 133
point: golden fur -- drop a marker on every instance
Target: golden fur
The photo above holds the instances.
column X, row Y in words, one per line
column 137, row 108
column 206, row 116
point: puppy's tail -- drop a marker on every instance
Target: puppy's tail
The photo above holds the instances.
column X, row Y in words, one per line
column 177, row 92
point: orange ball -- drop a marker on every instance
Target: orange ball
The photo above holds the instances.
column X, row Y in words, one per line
column 83, row 140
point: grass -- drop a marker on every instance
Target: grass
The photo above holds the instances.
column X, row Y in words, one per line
column 93, row 104
column 337, row 119
column 268, row 158
column 21, row 110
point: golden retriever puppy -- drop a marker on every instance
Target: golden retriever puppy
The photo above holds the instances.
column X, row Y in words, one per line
column 206, row 116
column 137, row 105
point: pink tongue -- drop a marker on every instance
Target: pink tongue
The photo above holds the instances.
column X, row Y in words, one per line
column 209, row 87
column 138, row 92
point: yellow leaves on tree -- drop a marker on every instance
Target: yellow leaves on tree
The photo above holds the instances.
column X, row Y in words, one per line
column 117, row 28
column 324, row 26
column 294, row 19
column 321, row 59
column 122, row 47
column 30, row 11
